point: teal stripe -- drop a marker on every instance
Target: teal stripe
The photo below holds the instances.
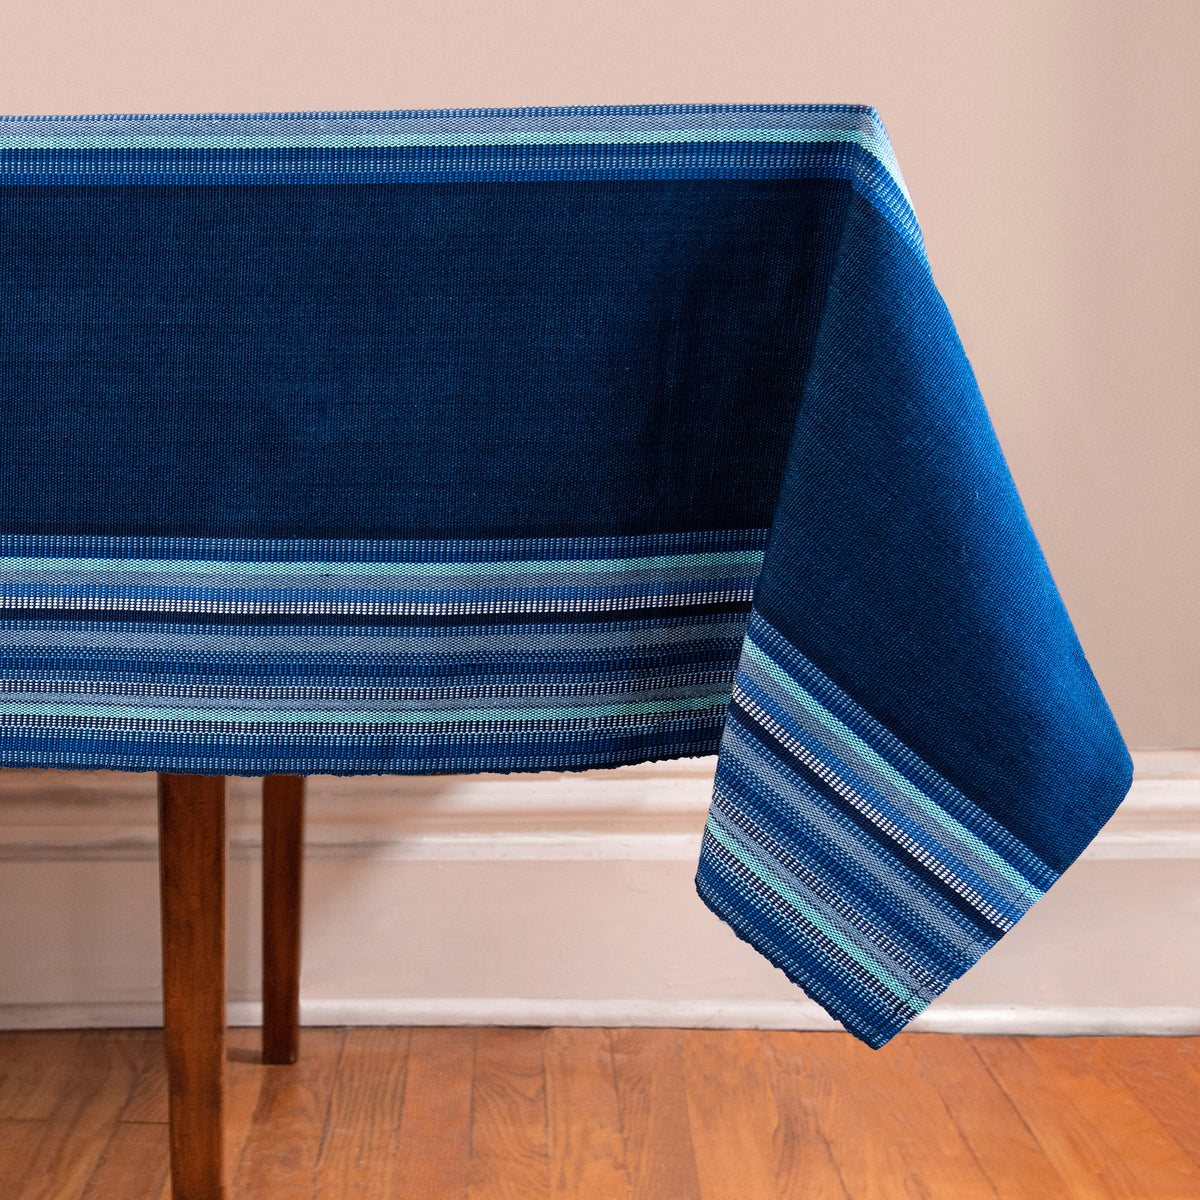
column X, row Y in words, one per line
column 868, row 962
column 872, row 143
column 863, row 923
column 402, row 569
column 880, row 772
column 894, row 883
column 558, row 688
column 344, row 717
column 383, row 138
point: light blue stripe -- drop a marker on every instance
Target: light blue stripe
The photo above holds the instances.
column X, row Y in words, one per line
column 880, row 772
column 895, row 882
column 871, row 142
column 915, row 966
column 784, row 654
column 231, row 704
column 567, row 683
column 983, row 890
column 937, row 841
column 138, row 713
column 417, row 591
column 154, row 566
column 650, row 124
column 790, row 896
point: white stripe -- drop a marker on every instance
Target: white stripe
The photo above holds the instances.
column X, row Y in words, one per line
column 877, row 818
column 374, row 607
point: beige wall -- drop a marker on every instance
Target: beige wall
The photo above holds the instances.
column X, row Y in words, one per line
column 1050, row 148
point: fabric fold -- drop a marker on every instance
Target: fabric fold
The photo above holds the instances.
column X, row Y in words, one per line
column 913, row 722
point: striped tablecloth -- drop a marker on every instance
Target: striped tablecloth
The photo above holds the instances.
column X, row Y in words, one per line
column 543, row 439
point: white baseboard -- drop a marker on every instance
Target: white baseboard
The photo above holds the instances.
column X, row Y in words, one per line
column 652, row 811
column 1005, row 1019
column 484, row 899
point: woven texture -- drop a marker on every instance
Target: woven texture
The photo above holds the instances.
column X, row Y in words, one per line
column 543, row 439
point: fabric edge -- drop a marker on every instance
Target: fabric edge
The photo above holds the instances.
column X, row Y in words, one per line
column 845, row 860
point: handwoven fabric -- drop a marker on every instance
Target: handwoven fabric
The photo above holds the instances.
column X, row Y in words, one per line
column 543, row 439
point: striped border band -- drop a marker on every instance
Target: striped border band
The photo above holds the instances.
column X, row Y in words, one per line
column 836, row 852
column 255, row 657
column 702, row 141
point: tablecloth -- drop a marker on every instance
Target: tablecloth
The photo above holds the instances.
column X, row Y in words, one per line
column 544, row 439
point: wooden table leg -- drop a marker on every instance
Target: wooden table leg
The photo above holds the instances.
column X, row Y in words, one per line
column 191, row 838
column 283, row 857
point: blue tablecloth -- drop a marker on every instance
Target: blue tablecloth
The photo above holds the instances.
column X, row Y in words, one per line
column 543, row 439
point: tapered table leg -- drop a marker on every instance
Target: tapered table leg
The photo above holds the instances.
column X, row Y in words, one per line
column 283, row 857
column 191, row 838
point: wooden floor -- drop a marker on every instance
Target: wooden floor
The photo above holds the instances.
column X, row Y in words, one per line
column 619, row 1114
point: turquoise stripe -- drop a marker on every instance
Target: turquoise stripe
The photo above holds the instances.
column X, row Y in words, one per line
column 873, row 143
column 344, row 717
column 865, row 923
column 933, row 841
column 868, row 962
column 880, row 771
column 611, row 687
column 804, row 805
column 340, row 569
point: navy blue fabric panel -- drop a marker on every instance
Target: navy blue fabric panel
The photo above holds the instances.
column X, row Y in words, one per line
column 901, row 562
column 406, row 360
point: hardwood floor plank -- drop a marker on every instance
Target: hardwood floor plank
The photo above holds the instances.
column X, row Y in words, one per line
column 631, row 1114
column 357, row 1155
column 1067, row 1136
column 19, row 1142
column 433, row 1153
column 244, row 1078
column 1164, row 1075
column 1102, row 1141
column 134, row 1164
column 147, row 1103
column 804, row 1165
column 83, row 1122
column 587, row 1154
column 509, row 1154
column 280, row 1156
column 653, row 1108
column 1005, row 1148
column 887, row 1127
column 35, row 1069
column 732, row 1114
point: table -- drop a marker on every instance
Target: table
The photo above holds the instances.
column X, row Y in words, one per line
column 519, row 439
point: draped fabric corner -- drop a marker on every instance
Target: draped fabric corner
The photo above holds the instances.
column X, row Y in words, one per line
column 544, row 439
column 916, row 747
